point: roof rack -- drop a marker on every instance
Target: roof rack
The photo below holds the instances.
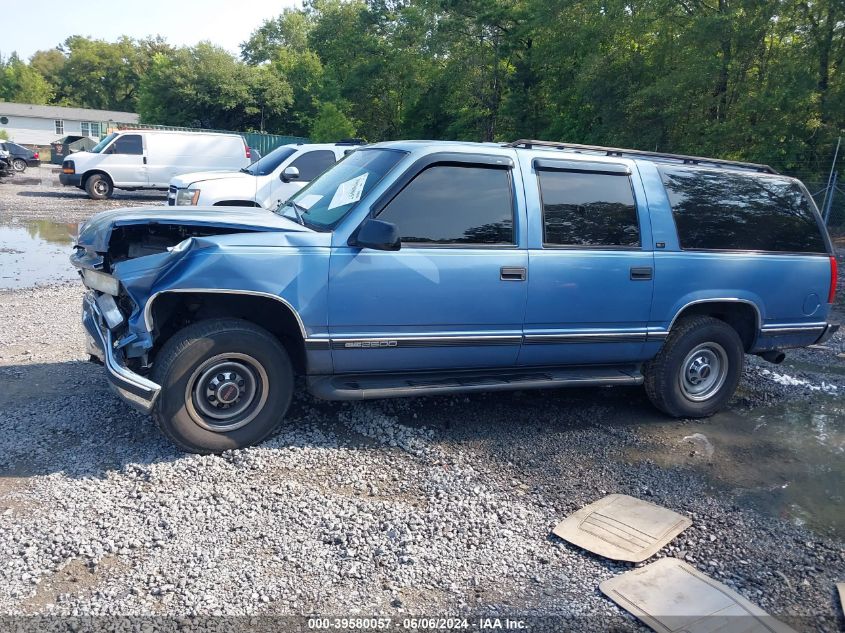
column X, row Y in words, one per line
column 352, row 141
column 637, row 153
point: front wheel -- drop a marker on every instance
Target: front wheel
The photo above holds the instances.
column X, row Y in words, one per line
column 226, row 383
column 99, row 187
column 19, row 165
column 697, row 370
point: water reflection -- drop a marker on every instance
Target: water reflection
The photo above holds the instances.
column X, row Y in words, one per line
column 35, row 252
column 786, row 461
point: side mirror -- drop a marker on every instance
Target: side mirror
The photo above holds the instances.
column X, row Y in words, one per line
column 378, row 235
column 289, row 173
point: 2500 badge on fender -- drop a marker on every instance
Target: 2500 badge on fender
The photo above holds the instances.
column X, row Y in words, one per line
column 431, row 267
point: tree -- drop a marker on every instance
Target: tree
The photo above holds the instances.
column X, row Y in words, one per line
column 289, row 30
column 204, row 86
column 21, row 83
column 331, row 125
column 49, row 65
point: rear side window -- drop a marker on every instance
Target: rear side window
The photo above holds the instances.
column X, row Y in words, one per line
column 128, row 144
column 717, row 210
column 588, row 209
column 450, row 204
column 312, row 164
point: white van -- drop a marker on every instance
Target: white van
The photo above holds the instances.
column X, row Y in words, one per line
column 265, row 183
column 146, row 159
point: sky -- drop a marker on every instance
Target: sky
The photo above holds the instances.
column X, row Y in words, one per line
column 43, row 24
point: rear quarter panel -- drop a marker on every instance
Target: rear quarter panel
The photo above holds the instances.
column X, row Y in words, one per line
column 786, row 289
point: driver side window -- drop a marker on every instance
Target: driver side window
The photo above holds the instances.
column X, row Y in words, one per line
column 454, row 204
column 128, row 144
column 312, row 164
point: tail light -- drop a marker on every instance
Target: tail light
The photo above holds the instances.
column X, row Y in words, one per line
column 831, row 295
column 247, row 150
column 36, row 156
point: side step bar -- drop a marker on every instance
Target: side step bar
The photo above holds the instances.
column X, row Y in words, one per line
column 368, row 386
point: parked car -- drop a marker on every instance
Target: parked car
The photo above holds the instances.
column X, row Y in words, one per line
column 5, row 163
column 416, row 268
column 145, row 159
column 20, row 156
column 265, row 183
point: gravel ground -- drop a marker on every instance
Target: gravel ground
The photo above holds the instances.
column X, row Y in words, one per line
column 38, row 194
column 420, row 506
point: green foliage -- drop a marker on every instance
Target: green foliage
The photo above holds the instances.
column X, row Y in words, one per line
column 739, row 79
column 21, row 83
column 204, row 86
column 289, row 30
column 331, row 125
column 4, row 135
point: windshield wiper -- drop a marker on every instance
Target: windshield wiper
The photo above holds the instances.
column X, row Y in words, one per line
column 298, row 209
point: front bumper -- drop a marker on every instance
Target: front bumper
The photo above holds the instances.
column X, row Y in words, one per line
column 74, row 180
column 133, row 388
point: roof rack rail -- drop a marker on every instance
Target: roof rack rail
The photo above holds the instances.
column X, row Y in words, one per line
column 638, row 153
column 352, row 141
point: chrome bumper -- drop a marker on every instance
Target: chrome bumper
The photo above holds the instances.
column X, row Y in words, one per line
column 829, row 330
column 133, row 388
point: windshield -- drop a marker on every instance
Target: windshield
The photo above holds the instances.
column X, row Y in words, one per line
column 99, row 146
column 329, row 197
column 267, row 165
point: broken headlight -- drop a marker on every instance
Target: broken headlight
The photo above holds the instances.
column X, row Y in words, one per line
column 100, row 281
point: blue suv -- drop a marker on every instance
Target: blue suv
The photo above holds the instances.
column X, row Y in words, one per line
column 423, row 267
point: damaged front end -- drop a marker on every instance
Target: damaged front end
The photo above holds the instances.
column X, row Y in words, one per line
column 100, row 343
column 123, row 257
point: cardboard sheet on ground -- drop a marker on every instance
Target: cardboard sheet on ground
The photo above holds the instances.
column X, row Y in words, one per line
column 670, row 596
column 841, row 587
column 622, row 528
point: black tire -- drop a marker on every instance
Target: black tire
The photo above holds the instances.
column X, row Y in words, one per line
column 697, row 348
column 189, row 369
column 19, row 165
column 99, row 187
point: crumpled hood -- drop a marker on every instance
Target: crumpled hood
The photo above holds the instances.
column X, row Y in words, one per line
column 94, row 235
column 185, row 180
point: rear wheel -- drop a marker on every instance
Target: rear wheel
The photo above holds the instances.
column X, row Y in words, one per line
column 99, row 186
column 697, row 370
column 226, row 383
column 19, row 164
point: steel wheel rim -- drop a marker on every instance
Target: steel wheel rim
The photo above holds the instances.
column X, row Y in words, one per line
column 703, row 372
column 100, row 187
column 226, row 392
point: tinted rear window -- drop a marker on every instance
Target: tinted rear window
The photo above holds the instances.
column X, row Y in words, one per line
column 588, row 209
column 719, row 210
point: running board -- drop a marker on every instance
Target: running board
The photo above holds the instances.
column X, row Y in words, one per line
column 368, row 386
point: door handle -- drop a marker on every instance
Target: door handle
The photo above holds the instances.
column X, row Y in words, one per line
column 644, row 273
column 508, row 273
column 145, row 160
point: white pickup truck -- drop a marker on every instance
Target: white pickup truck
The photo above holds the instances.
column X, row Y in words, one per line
column 268, row 181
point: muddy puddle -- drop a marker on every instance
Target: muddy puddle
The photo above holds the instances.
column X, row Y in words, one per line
column 786, row 461
column 35, row 252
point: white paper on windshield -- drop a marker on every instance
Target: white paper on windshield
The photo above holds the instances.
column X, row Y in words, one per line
column 348, row 192
column 309, row 201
